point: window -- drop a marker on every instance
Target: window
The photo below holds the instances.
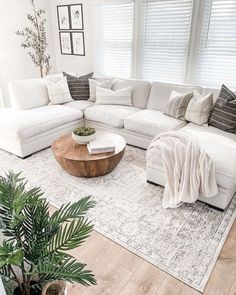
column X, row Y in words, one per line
column 183, row 41
column 165, row 32
column 216, row 60
column 114, row 38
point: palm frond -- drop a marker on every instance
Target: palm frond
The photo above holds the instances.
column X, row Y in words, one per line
column 68, row 269
column 71, row 211
column 70, row 236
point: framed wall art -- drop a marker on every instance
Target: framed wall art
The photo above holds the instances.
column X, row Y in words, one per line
column 65, row 43
column 76, row 17
column 77, row 39
column 63, row 16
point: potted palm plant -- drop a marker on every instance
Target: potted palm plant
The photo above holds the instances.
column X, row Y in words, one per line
column 34, row 252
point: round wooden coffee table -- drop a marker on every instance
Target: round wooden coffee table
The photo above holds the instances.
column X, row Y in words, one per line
column 76, row 160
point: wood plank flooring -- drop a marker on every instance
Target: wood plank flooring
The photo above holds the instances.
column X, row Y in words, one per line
column 120, row 272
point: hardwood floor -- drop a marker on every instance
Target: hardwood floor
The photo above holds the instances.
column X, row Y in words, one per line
column 119, row 271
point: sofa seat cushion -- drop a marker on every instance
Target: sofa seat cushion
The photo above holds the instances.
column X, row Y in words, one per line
column 79, row 104
column 150, row 122
column 219, row 145
column 112, row 115
column 24, row 124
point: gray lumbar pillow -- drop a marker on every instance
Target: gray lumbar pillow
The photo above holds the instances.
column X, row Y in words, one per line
column 199, row 108
column 177, row 104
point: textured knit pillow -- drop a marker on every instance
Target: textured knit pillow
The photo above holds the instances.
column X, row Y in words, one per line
column 92, row 87
column 199, row 108
column 224, row 112
column 58, row 92
column 177, row 104
column 79, row 87
column 119, row 97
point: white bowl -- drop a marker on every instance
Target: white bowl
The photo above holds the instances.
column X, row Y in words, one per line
column 83, row 139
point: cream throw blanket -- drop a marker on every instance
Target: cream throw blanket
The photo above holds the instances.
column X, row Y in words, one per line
column 188, row 169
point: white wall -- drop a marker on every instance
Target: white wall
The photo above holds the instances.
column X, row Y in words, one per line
column 15, row 64
column 69, row 63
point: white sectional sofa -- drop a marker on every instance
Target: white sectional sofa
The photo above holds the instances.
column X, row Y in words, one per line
column 32, row 124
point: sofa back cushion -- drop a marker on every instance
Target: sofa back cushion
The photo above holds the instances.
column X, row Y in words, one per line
column 31, row 93
column 215, row 92
column 160, row 94
column 140, row 90
column 28, row 94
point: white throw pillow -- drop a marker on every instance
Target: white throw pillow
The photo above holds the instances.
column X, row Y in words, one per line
column 177, row 104
column 119, row 97
column 92, row 87
column 58, row 92
column 199, row 108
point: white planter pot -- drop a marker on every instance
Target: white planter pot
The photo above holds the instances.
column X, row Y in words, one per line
column 83, row 139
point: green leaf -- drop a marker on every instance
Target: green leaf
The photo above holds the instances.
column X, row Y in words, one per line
column 70, row 236
column 71, row 211
column 68, row 269
column 16, row 257
column 10, row 254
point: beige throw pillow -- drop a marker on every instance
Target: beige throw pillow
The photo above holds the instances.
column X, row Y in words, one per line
column 58, row 92
column 199, row 108
column 177, row 104
column 119, row 97
column 92, row 87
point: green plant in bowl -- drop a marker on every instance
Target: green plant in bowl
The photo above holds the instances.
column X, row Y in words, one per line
column 83, row 135
column 84, row 131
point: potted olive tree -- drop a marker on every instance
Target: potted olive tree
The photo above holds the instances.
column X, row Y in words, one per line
column 33, row 255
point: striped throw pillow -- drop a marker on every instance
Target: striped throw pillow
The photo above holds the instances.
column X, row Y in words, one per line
column 177, row 104
column 199, row 108
column 119, row 97
column 92, row 87
column 224, row 112
column 79, row 87
column 58, row 92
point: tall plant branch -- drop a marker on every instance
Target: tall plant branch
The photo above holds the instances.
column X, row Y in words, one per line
column 35, row 40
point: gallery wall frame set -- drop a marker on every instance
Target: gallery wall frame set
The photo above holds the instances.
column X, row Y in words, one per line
column 72, row 43
column 70, row 22
column 70, row 17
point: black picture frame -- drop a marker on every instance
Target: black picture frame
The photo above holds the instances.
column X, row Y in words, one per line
column 70, row 50
column 72, row 25
column 67, row 11
column 78, row 52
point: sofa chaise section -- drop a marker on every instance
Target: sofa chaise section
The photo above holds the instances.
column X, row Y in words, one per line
column 32, row 123
column 221, row 147
column 24, row 132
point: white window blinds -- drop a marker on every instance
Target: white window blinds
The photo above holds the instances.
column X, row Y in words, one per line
column 114, row 38
column 216, row 60
column 165, row 33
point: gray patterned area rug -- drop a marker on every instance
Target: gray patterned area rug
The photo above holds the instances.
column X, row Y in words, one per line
column 184, row 242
